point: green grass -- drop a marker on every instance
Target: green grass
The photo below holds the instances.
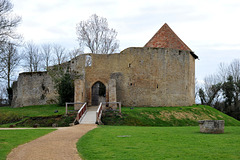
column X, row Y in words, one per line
column 33, row 111
column 153, row 143
column 10, row 139
column 21, row 115
column 167, row 116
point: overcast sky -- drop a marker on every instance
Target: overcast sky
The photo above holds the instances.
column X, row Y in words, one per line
column 211, row 28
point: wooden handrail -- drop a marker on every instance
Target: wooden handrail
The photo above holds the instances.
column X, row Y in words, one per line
column 99, row 113
column 67, row 103
column 100, row 109
column 81, row 112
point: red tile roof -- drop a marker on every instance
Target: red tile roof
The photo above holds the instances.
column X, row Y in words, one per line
column 166, row 38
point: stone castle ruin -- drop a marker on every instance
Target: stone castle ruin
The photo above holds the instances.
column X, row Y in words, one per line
column 162, row 73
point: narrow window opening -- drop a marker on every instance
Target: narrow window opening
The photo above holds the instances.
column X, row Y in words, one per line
column 88, row 61
column 129, row 65
column 157, row 85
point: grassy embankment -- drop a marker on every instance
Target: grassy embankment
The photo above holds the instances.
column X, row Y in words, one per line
column 138, row 116
column 131, row 142
column 10, row 139
column 45, row 115
column 166, row 116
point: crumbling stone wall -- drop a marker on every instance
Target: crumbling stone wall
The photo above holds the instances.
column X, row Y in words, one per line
column 144, row 77
column 35, row 88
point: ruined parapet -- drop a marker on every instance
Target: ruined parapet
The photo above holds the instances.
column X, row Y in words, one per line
column 211, row 126
column 34, row 88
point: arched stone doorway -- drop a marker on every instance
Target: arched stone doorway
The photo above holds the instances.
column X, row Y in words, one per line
column 98, row 93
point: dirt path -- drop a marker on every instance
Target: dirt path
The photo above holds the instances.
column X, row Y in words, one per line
column 57, row 145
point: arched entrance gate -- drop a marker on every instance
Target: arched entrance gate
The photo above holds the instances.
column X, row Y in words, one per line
column 98, row 93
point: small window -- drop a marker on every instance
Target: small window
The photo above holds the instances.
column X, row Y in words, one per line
column 88, row 61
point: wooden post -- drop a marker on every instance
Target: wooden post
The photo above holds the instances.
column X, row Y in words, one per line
column 120, row 107
column 66, row 109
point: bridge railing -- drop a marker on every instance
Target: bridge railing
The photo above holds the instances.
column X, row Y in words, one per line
column 100, row 109
column 81, row 112
column 71, row 103
column 99, row 113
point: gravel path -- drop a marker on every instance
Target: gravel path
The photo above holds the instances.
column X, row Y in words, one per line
column 57, row 145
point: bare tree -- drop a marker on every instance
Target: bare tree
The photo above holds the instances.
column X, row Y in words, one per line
column 3, row 93
column 197, row 87
column 223, row 72
column 74, row 53
column 231, row 71
column 234, row 70
column 209, row 93
column 9, row 61
column 96, row 35
column 223, row 91
column 3, row 96
column 46, row 54
column 8, row 22
column 59, row 52
column 32, row 57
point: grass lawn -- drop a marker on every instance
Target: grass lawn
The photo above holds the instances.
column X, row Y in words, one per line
column 10, row 139
column 135, row 143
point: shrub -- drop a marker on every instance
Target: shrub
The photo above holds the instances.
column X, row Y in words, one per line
column 65, row 88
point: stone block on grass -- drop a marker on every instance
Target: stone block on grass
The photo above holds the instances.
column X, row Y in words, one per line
column 211, row 126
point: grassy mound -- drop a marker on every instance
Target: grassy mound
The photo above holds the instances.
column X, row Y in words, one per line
column 44, row 115
column 59, row 121
column 166, row 116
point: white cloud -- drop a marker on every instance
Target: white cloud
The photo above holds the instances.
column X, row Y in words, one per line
column 210, row 28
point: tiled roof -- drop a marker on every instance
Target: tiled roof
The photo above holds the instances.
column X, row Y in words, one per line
column 166, row 38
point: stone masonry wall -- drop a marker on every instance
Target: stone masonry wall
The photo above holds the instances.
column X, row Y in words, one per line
column 35, row 88
column 145, row 76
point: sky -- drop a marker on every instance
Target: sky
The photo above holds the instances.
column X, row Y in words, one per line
column 209, row 27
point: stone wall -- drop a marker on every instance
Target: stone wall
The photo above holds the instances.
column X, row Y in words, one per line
column 144, row 77
column 35, row 88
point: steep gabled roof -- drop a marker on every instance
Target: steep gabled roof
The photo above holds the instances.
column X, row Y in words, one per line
column 166, row 38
